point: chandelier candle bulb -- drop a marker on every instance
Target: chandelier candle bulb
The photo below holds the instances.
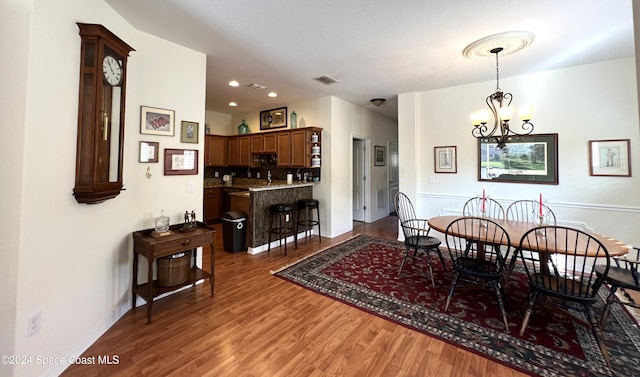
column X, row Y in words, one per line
column 506, row 113
column 526, row 113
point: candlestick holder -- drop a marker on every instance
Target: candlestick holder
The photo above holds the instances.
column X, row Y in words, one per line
column 483, row 214
column 540, row 232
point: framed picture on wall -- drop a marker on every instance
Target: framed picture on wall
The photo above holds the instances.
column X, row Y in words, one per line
column 274, row 118
column 189, row 132
column 445, row 160
column 149, row 151
column 610, row 158
column 154, row 121
column 524, row 159
column 180, row 162
column 378, row 155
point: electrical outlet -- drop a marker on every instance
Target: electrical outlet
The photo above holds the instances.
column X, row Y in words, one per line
column 258, row 175
column 191, row 186
column 216, row 174
column 35, row 323
column 286, row 218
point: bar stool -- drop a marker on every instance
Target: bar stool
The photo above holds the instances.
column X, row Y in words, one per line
column 308, row 205
column 278, row 224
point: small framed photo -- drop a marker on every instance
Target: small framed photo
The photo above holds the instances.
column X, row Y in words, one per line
column 149, row 151
column 274, row 118
column 610, row 158
column 378, row 155
column 154, row 121
column 446, row 159
column 180, row 162
column 189, row 132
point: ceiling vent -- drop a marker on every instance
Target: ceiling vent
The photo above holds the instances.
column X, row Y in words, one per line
column 257, row 86
column 326, row 80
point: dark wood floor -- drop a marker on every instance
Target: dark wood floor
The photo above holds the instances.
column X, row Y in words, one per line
column 259, row 325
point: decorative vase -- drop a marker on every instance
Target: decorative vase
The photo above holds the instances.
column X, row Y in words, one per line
column 294, row 119
column 243, row 128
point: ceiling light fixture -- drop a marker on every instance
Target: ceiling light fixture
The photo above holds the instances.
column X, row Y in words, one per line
column 377, row 101
column 499, row 102
column 272, row 94
column 234, row 83
column 233, row 104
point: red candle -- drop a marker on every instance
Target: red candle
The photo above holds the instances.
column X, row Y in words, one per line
column 540, row 204
column 484, row 199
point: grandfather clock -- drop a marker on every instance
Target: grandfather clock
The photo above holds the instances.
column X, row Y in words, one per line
column 103, row 73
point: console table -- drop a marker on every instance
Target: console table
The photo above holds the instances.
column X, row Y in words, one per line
column 153, row 248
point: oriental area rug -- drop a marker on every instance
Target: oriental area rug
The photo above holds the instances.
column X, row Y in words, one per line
column 363, row 272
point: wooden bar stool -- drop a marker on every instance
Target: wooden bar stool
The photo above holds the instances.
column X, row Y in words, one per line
column 279, row 225
column 307, row 206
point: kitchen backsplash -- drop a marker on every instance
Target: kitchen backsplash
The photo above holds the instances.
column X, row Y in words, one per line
column 277, row 174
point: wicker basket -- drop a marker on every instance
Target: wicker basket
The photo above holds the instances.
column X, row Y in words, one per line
column 174, row 269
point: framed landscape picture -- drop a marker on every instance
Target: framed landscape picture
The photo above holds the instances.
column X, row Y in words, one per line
column 610, row 158
column 524, row 159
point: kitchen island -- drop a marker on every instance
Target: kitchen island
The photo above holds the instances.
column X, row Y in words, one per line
column 257, row 197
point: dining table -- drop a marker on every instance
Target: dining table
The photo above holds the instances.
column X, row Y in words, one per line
column 516, row 229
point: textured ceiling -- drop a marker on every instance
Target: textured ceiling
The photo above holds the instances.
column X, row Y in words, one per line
column 374, row 48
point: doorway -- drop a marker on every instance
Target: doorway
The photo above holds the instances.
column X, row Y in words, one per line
column 359, row 179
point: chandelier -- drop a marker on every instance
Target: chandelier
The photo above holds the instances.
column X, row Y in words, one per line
column 499, row 104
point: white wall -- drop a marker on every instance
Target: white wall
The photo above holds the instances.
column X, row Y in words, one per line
column 15, row 23
column 590, row 102
column 220, row 123
column 74, row 260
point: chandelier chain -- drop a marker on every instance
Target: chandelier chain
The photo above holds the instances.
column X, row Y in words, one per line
column 497, row 75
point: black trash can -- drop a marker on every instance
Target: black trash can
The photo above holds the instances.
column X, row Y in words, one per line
column 234, row 231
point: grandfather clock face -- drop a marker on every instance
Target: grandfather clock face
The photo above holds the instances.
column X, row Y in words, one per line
column 103, row 74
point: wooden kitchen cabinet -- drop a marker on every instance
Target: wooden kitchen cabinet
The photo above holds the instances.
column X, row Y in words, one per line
column 240, row 151
column 244, row 150
column 216, row 150
column 256, row 143
column 298, row 148
column 269, row 143
column 212, row 207
column 234, row 155
column 263, row 143
column 283, row 148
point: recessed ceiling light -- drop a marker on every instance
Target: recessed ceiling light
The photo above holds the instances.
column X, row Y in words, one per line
column 234, row 83
column 272, row 94
column 233, row 104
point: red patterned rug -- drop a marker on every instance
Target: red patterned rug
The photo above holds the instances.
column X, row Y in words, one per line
column 362, row 272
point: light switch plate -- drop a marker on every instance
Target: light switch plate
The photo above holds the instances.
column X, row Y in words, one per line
column 191, row 186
